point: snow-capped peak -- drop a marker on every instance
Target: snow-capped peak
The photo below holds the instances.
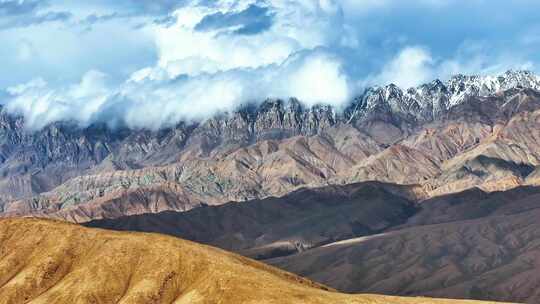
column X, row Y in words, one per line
column 431, row 99
column 461, row 86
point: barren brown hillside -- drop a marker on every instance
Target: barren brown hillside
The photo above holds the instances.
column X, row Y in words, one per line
column 495, row 257
column 45, row 261
column 472, row 245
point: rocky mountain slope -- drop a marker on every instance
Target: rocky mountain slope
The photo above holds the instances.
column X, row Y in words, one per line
column 370, row 237
column 272, row 227
column 51, row 262
column 495, row 257
column 442, row 137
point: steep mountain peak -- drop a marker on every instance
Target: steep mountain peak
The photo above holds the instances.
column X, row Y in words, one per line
column 461, row 86
column 392, row 91
column 521, row 78
column 429, row 101
column 435, row 86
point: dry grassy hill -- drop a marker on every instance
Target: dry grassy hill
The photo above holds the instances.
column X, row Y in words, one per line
column 44, row 261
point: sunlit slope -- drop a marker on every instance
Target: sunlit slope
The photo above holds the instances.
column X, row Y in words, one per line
column 53, row 262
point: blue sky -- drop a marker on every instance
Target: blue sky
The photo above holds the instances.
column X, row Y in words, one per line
column 83, row 59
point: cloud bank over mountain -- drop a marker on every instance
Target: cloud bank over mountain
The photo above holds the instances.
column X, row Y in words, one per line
column 149, row 64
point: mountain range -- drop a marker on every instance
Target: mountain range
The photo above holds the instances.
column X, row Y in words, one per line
column 429, row 191
column 439, row 137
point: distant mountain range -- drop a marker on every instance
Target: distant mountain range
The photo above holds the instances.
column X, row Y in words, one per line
column 440, row 137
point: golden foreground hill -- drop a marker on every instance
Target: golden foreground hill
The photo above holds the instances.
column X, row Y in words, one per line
column 43, row 261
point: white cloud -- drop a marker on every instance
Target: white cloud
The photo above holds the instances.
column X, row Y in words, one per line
column 475, row 58
column 297, row 25
column 415, row 65
column 152, row 102
column 411, row 67
column 309, row 49
column 320, row 79
column 41, row 105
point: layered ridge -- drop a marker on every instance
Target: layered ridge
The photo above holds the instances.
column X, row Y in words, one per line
column 441, row 137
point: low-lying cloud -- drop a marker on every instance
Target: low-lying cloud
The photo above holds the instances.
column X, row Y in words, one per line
column 211, row 60
column 212, row 56
column 416, row 65
column 150, row 99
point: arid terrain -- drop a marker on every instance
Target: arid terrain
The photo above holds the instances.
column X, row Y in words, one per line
column 280, row 226
column 44, row 261
column 269, row 152
column 369, row 238
column 429, row 191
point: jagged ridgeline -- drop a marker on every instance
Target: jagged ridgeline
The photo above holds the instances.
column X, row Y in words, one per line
column 440, row 137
